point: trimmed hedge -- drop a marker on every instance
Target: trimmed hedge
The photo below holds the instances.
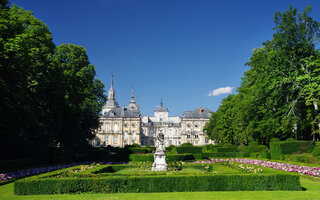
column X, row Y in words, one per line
column 277, row 149
column 160, row 183
column 305, row 158
column 225, row 149
column 141, row 157
column 169, row 158
column 181, row 150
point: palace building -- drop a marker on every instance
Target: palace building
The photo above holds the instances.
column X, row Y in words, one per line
column 121, row 126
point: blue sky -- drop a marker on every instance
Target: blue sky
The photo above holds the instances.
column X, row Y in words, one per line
column 178, row 50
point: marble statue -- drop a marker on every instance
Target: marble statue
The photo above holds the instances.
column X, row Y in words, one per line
column 160, row 163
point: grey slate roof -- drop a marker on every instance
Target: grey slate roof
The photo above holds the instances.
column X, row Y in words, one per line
column 121, row 112
column 206, row 113
column 112, row 103
column 161, row 109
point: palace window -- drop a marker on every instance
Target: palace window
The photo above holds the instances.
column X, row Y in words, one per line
column 125, row 125
column 170, row 142
column 188, row 125
column 133, row 136
column 133, row 125
column 206, row 140
column 170, row 132
column 107, row 127
column 188, row 136
column 116, row 127
column 196, row 136
column 125, row 135
column 106, row 139
column 151, row 132
column 115, row 139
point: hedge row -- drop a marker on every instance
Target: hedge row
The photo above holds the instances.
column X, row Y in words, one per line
column 305, row 158
column 160, row 183
column 169, row 158
column 181, row 150
column 277, row 149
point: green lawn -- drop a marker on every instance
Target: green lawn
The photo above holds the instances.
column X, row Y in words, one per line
column 311, row 184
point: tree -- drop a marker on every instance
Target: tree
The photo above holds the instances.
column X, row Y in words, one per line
column 275, row 93
column 80, row 96
column 48, row 95
column 25, row 48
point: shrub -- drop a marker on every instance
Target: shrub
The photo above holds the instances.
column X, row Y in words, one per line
column 139, row 150
column 169, row 148
column 169, row 158
column 158, row 183
column 316, row 151
column 220, row 155
column 275, row 140
column 305, row 158
column 225, row 149
column 277, row 149
column 265, row 154
column 186, row 145
column 179, row 157
column 208, row 148
column 197, row 156
column 290, row 140
column 181, row 150
column 229, row 145
column 254, row 148
column 141, row 157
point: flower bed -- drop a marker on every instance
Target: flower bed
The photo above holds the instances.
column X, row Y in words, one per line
column 304, row 170
column 34, row 171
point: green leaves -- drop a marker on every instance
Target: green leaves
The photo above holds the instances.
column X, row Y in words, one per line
column 48, row 95
column 279, row 88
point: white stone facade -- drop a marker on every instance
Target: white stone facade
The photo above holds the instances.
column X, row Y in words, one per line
column 125, row 126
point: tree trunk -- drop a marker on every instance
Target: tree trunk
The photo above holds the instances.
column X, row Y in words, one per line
column 316, row 108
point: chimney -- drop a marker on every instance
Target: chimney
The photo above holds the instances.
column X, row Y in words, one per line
column 200, row 109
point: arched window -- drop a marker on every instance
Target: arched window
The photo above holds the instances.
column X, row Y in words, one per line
column 170, row 142
column 170, row 132
column 133, row 136
column 196, row 136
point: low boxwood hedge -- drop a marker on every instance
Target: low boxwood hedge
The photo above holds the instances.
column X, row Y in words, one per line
column 181, row 150
column 169, row 158
column 158, row 183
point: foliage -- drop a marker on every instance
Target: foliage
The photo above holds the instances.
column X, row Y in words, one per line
column 316, row 151
column 181, row 150
column 303, row 158
column 48, row 95
column 159, row 184
column 169, row 158
column 253, row 147
column 279, row 91
column 186, row 145
column 277, row 149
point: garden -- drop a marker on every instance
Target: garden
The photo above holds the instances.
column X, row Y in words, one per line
column 247, row 171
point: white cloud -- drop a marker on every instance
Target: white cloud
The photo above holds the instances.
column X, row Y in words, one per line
column 219, row 91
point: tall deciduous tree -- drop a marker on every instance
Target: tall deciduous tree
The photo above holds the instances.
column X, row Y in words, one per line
column 277, row 92
column 48, row 95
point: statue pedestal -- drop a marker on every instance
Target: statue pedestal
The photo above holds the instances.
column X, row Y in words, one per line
column 160, row 163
